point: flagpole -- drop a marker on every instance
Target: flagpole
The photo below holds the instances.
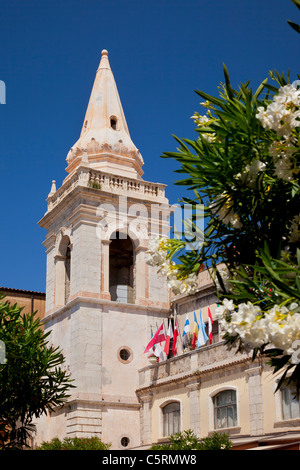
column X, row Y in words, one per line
column 175, row 332
column 179, row 332
column 165, row 327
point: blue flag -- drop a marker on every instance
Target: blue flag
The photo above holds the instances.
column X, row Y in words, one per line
column 186, row 330
column 202, row 336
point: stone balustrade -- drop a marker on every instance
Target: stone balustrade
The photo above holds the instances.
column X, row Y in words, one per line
column 88, row 177
column 206, row 359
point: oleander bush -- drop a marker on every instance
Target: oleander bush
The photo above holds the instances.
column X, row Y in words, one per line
column 33, row 375
column 76, row 443
column 243, row 168
column 187, row 440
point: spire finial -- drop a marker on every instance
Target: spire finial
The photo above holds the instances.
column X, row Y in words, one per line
column 104, row 63
column 53, row 188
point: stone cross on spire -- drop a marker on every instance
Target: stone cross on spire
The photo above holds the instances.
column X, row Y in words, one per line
column 105, row 143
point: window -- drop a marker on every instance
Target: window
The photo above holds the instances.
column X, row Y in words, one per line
column 171, row 419
column 113, row 123
column 63, row 272
column 225, row 410
column 125, row 354
column 67, row 274
column 290, row 404
column 125, row 441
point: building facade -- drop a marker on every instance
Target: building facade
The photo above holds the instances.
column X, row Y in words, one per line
column 103, row 300
column 31, row 301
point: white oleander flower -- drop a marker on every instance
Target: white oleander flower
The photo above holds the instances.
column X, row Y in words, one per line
column 224, row 211
column 284, row 327
column 284, row 163
column 250, row 172
column 288, row 94
column 203, row 121
column 225, row 276
column 263, row 116
column 284, row 168
column 280, row 326
column 157, row 256
column 282, row 114
column 226, row 307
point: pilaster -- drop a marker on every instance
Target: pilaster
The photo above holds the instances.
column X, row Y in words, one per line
column 194, row 395
column 256, row 409
column 146, row 419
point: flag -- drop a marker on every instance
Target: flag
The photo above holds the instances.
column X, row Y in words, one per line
column 151, row 351
column 210, row 323
column 202, row 337
column 176, row 333
column 157, row 338
column 186, row 330
column 168, row 339
column 196, row 331
column 158, row 352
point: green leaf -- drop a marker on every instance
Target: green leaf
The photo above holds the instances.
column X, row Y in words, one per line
column 295, row 26
column 260, row 89
column 271, row 87
column 210, row 98
column 297, row 3
column 227, row 81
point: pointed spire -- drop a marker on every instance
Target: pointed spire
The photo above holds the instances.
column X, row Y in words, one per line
column 105, row 141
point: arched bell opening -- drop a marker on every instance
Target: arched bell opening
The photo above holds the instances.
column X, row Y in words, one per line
column 121, row 269
column 63, row 272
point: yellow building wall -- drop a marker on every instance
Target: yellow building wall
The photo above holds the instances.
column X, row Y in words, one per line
column 162, row 399
column 30, row 300
column 215, row 385
column 208, row 388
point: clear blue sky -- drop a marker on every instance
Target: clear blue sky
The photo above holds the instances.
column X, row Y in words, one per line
column 160, row 51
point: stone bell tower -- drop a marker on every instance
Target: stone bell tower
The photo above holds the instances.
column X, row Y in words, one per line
column 101, row 296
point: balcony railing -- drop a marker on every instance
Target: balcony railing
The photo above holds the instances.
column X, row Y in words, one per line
column 87, row 177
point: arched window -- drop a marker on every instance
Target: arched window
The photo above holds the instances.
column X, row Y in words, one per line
column 121, row 276
column 113, row 122
column 63, row 272
column 225, row 409
column 171, row 419
column 67, row 273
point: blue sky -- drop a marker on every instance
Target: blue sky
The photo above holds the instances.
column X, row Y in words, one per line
column 160, row 51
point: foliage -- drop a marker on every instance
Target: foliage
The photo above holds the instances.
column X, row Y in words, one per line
column 187, row 440
column 94, row 184
column 32, row 378
column 232, row 172
column 295, row 26
column 75, row 443
column 244, row 169
column 218, row 441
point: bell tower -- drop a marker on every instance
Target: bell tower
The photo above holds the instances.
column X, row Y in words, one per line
column 101, row 296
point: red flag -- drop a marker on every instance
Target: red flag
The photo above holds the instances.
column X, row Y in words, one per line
column 210, row 323
column 157, row 338
column 169, row 336
column 176, row 333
